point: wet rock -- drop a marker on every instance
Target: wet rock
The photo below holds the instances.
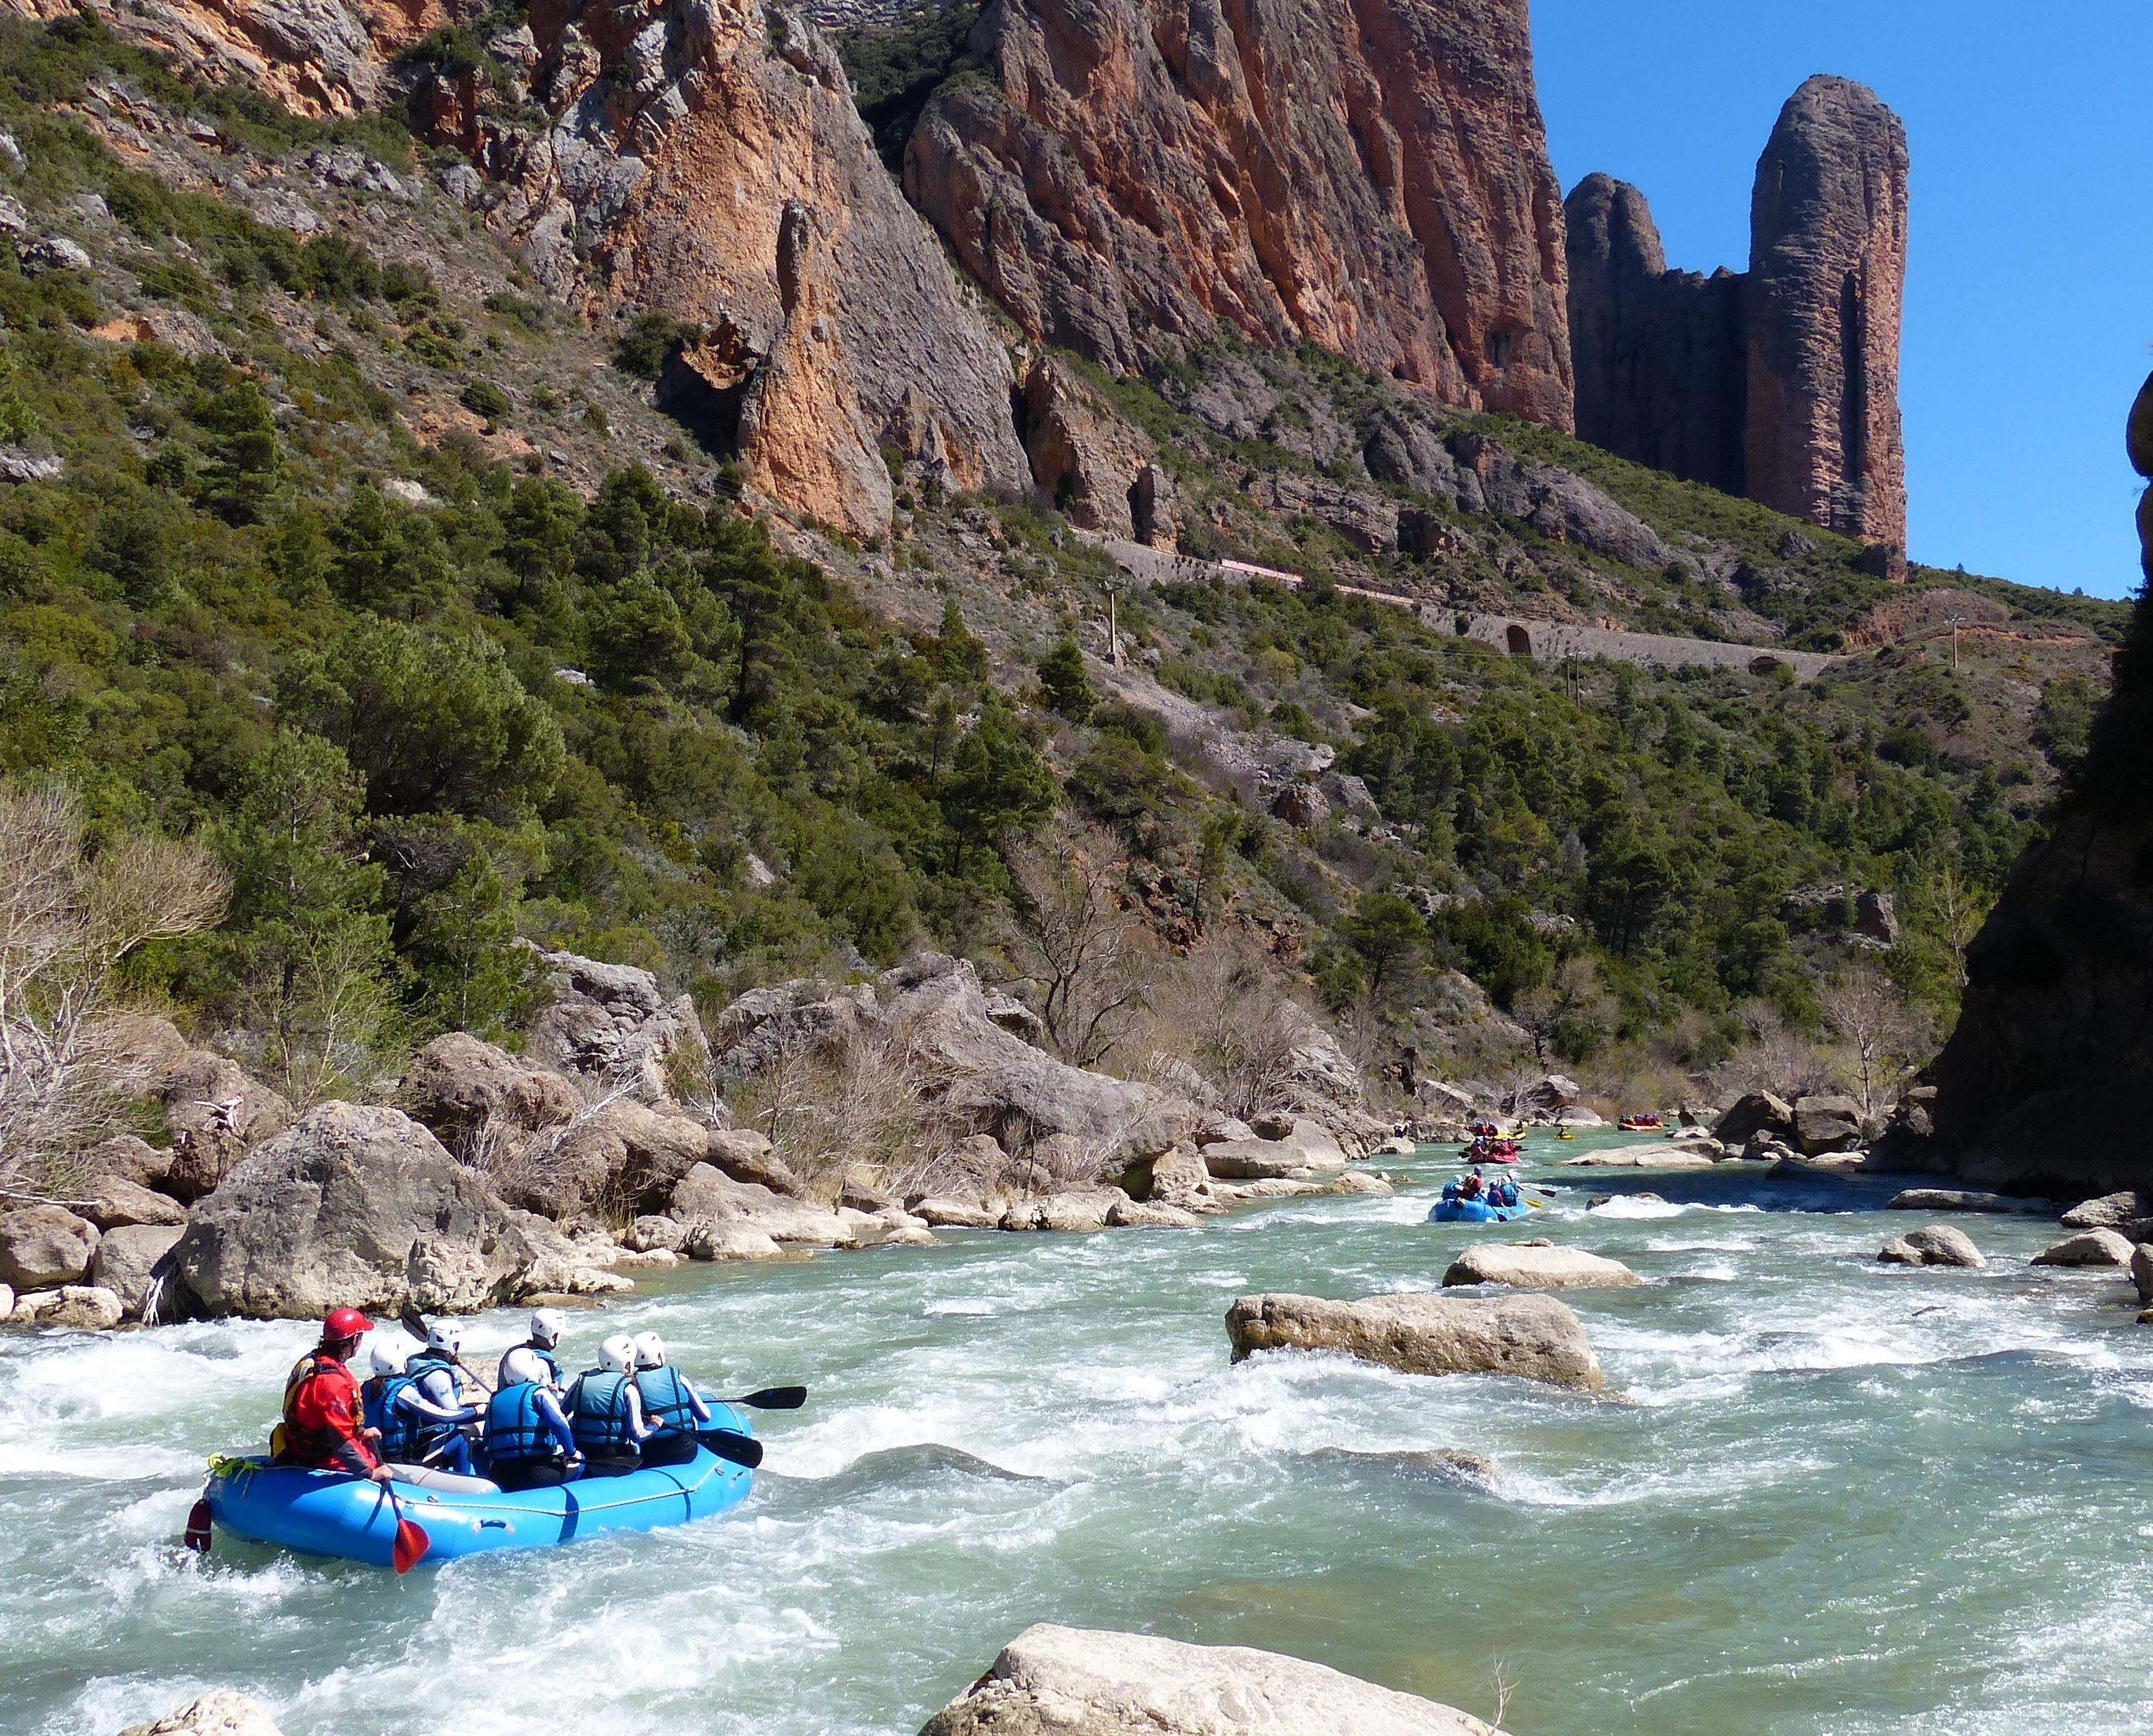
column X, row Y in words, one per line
column 1962, row 1199
column 1530, row 1266
column 1072, row 1212
column 739, row 1240
column 44, row 1246
column 1131, row 1214
column 2141, row 1271
column 218, row 1712
column 83, row 1307
column 2111, row 1211
column 2091, row 1247
column 125, row 1258
column 1076, row 1682
column 1534, row 1337
column 945, row 1212
column 1937, row 1245
column 362, row 1207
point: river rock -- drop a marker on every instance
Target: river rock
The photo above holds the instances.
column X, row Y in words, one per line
column 7, row 1301
column 218, row 1712
column 1078, row 1682
column 44, row 1246
column 1962, row 1199
column 112, row 1201
column 1752, row 1113
column 1147, row 1214
column 1662, row 1154
column 1248, row 1160
column 217, row 1113
column 707, row 1195
column 1937, row 1245
column 2141, row 1271
column 1528, row 1266
column 650, row 1233
column 84, row 1307
column 1359, row 1181
column 945, row 1212
column 1826, row 1123
column 1534, row 1337
column 731, row 1240
column 362, row 1207
column 126, row 1255
column 2091, row 1247
column 747, row 1156
column 1078, row 1211
column 2111, row 1211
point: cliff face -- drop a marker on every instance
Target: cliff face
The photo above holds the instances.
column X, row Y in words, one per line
column 1781, row 385
column 2043, row 1085
column 1370, row 175
column 681, row 136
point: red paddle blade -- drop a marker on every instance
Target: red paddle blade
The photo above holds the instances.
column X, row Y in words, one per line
column 411, row 1543
column 196, row 1537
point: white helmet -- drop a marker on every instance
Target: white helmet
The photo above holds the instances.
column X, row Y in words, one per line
column 520, row 1365
column 650, row 1351
column 617, row 1354
column 387, row 1357
column 546, row 1325
column 446, row 1337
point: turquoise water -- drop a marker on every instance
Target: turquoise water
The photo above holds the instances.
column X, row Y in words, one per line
column 1842, row 1498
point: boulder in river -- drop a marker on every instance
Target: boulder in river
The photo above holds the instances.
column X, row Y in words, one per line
column 1079, row 1682
column 1826, row 1123
column 706, row 1194
column 86, row 1307
column 2111, row 1211
column 1528, row 1266
column 218, row 1712
column 1962, row 1199
column 2141, row 1271
column 125, row 1258
column 1937, row 1245
column 44, row 1246
column 2089, row 1247
column 1534, row 1337
column 1754, row 1112
column 362, row 1207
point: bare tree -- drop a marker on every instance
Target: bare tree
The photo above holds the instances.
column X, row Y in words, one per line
column 1866, row 1010
column 71, row 1054
column 1086, row 958
column 1220, row 1023
column 1570, row 1004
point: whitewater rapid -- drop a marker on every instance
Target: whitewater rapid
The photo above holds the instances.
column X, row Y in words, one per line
column 1837, row 1498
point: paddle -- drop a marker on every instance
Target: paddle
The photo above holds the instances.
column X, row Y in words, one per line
column 414, row 1322
column 740, row 1450
column 411, row 1543
column 772, row 1398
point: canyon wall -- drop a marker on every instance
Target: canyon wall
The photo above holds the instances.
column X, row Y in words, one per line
column 1782, row 384
column 2043, row 1085
column 1368, row 176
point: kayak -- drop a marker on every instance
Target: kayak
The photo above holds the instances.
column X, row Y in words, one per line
column 1475, row 1211
column 327, row 1513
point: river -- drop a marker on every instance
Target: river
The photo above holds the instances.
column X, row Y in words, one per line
column 1844, row 1499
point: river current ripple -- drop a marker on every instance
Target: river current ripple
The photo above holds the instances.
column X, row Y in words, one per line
column 1844, row 1499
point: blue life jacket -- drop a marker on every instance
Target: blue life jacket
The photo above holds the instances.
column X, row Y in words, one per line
column 552, row 1362
column 430, row 1362
column 373, row 1394
column 599, row 1400
column 515, row 1433
column 407, row 1438
column 1450, row 1190
column 666, row 1400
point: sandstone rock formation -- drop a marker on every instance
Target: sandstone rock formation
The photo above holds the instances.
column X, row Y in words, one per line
column 612, row 1024
column 1076, row 1681
column 706, row 156
column 1533, row 1337
column 1522, row 1266
column 2039, row 1088
column 362, row 1206
column 44, row 1245
column 1782, row 384
column 1371, row 176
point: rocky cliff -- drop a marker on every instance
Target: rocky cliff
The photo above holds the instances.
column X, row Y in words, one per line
column 2043, row 1085
column 1371, row 176
column 1783, row 384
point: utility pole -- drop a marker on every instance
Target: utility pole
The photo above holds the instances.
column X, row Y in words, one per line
column 1113, row 622
column 1954, row 622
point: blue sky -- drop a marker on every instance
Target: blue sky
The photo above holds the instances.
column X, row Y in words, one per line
column 2030, row 291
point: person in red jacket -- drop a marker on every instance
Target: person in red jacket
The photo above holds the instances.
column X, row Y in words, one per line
column 323, row 1428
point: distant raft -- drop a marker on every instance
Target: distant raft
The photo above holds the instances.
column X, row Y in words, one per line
column 1475, row 1211
column 328, row 1513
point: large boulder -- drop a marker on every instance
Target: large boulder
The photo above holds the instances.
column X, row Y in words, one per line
column 128, row 1158
column 1524, row 1266
column 458, row 1086
column 1752, row 1113
column 2141, row 1271
column 110, row 1201
column 126, row 1259
column 44, row 1246
column 1826, row 1123
column 1534, row 1337
column 218, row 1712
column 2110, row 1211
column 1962, row 1199
column 1937, row 1245
column 363, row 1206
column 216, row 1111
column 2089, row 1247
column 84, row 1307
column 1553, row 1094
column 706, row 1195
column 612, row 1022
column 1076, row 1682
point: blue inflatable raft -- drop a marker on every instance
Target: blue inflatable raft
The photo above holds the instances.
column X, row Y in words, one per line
column 325, row 1513
column 1475, row 1211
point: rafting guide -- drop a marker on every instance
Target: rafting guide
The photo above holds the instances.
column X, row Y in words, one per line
column 629, row 1445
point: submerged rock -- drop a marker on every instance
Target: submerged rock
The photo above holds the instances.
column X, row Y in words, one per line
column 1938, row 1245
column 1533, row 1337
column 1530, row 1266
column 1962, row 1199
column 218, row 1712
column 1078, row 1682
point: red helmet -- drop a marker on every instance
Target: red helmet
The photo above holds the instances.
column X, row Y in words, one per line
column 345, row 1323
